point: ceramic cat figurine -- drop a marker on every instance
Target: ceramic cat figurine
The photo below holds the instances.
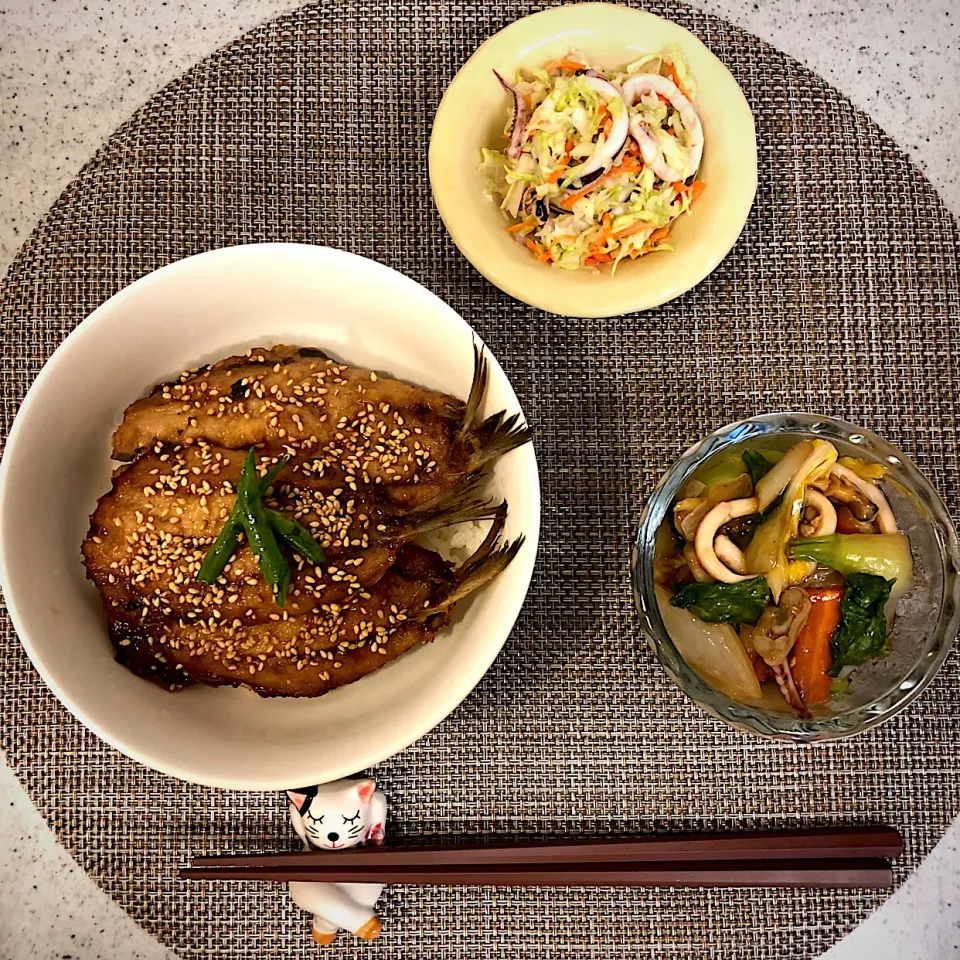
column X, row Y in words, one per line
column 334, row 816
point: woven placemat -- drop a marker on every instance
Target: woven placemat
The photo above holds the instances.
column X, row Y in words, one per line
column 315, row 128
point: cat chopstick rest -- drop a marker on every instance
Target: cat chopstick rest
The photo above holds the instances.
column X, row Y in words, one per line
column 335, row 816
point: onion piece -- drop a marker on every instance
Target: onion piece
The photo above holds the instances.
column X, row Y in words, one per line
column 712, row 650
column 775, row 480
column 603, row 157
column 519, row 125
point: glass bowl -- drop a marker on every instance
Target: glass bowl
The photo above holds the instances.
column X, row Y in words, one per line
column 928, row 615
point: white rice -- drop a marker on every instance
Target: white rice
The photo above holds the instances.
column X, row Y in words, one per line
column 456, row 543
column 460, row 542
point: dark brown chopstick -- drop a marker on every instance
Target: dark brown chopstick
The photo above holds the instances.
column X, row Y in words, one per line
column 842, row 873
column 827, row 843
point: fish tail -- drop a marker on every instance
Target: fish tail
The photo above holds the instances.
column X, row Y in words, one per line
column 494, row 437
column 486, row 440
column 478, row 389
column 463, row 512
column 488, row 562
column 485, row 548
column 467, row 486
column 459, row 503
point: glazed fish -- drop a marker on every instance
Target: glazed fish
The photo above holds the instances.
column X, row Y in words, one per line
column 310, row 654
column 363, row 463
column 350, row 423
column 149, row 536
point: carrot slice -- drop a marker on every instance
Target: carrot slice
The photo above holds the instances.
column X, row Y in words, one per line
column 675, row 77
column 629, row 165
column 635, row 228
column 568, row 202
column 564, row 64
column 812, row 656
column 605, row 224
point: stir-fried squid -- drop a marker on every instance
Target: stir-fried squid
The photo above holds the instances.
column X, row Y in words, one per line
column 797, row 551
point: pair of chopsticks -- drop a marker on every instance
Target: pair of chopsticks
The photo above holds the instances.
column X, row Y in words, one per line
column 831, row 857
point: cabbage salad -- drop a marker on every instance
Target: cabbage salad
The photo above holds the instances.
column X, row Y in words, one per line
column 782, row 568
column 599, row 166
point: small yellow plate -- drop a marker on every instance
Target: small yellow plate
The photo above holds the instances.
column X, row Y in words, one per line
column 475, row 109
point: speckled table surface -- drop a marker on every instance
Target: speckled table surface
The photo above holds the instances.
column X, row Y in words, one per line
column 71, row 71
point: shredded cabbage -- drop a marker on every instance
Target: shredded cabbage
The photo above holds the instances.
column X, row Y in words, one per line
column 623, row 209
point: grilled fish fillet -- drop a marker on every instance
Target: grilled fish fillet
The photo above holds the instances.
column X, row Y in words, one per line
column 150, row 534
column 292, row 655
column 306, row 654
column 352, row 424
column 375, row 463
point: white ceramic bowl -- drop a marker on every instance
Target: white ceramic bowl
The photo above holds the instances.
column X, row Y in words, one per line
column 57, row 463
column 475, row 108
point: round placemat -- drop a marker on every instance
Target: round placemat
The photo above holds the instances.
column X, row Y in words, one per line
column 841, row 297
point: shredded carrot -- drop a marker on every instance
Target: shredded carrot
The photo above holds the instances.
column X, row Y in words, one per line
column 521, row 226
column 675, row 77
column 696, row 188
column 602, row 113
column 570, row 145
column 568, row 201
column 812, row 656
column 629, row 165
column 562, row 164
column 607, row 126
column 635, row 228
column 595, row 259
column 679, row 186
column 533, row 248
column 545, row 257
column 607, row 232
column 660, row 234
column 564, row 64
